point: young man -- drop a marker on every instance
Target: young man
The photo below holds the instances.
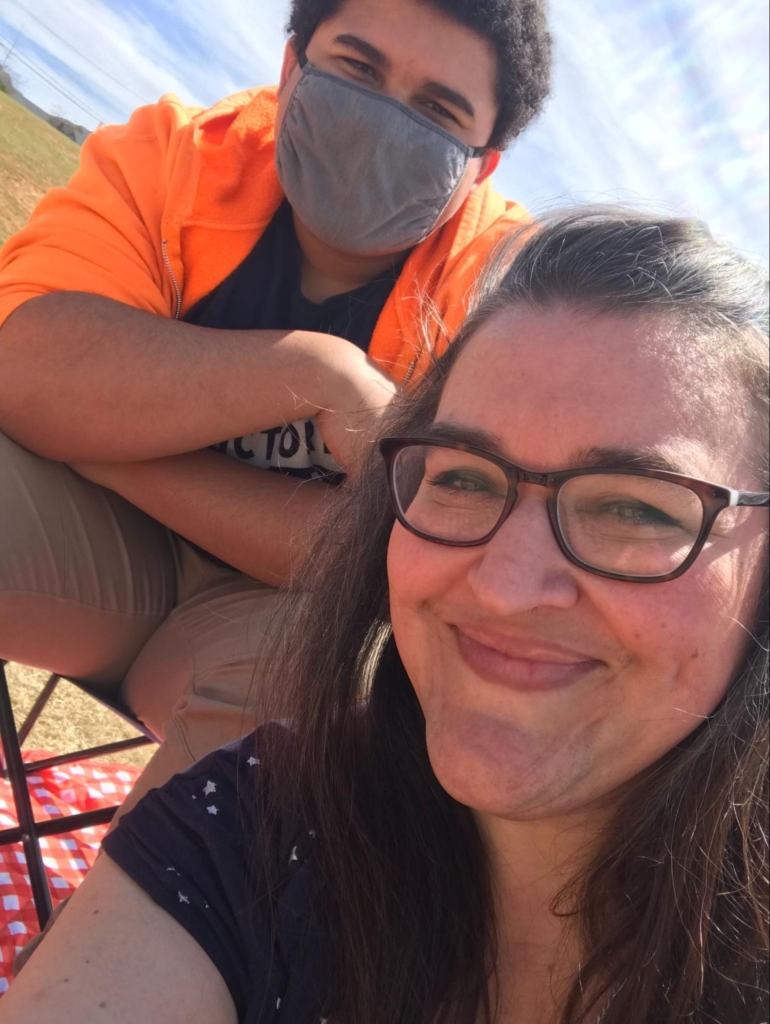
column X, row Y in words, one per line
column 205, row 276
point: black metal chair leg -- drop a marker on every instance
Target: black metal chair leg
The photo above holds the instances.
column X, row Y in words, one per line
column 38, row 708
column 12, row 766
column 18, row 779
column 33, row 767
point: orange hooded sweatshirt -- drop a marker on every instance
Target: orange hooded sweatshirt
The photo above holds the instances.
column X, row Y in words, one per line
column 164, row 208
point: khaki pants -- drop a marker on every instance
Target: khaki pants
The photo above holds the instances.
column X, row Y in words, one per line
column 95, row 590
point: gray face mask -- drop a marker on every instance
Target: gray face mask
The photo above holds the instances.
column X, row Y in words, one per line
column 366, row 174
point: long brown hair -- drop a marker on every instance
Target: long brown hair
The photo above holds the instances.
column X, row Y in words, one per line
column 673, row 909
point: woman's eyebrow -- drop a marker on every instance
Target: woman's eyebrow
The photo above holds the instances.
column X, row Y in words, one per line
column 624, row 458
column 586, row 458
column 457, row 433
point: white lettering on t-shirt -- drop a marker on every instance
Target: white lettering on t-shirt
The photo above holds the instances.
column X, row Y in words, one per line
column 292, row 448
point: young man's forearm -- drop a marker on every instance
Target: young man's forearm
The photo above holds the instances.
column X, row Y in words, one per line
column 88, row 379
column 257, row 521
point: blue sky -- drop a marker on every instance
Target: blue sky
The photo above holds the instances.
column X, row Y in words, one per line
column 661, row 103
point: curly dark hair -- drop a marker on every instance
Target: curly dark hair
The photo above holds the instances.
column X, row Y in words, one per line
column 518, row 32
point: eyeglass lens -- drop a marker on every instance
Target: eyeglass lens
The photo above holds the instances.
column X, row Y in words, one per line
column 625, row 524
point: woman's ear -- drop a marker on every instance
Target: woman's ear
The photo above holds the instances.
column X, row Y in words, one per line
column 290, row 63
column 489, row 164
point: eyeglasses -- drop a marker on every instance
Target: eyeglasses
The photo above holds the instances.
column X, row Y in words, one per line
column 643, row 526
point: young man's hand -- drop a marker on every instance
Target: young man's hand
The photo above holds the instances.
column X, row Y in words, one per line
column 359, row 400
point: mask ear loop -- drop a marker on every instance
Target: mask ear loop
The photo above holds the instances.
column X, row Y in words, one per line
column 302, row 60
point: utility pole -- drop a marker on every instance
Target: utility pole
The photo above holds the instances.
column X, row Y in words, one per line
column 9, row 52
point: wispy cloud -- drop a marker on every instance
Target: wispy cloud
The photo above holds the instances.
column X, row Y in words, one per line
column 113, row 55
column 663, row 103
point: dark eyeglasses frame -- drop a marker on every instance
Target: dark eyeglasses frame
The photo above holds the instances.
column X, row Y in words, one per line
column 713, row 498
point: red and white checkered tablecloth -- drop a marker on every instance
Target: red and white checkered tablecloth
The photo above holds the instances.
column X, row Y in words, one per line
column 56, row 792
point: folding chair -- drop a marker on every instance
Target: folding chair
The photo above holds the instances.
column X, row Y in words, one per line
column 12, row 767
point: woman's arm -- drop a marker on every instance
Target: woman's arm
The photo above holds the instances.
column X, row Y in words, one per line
column 115, row 957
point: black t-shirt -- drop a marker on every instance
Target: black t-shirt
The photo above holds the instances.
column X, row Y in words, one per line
column 264, row 293
column 193, row 847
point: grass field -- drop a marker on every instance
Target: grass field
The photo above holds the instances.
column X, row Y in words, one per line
column 33, row 158
column 71, row 720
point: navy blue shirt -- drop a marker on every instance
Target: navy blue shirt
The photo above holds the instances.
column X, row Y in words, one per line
column 193, row 846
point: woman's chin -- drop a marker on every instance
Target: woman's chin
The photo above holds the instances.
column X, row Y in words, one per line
column 481, row 766
column 502, row 769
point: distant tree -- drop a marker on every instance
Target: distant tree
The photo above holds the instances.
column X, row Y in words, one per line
column 11, row 82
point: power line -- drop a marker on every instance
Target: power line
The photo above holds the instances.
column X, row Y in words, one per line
column 54, row 85
column 36, row 70
column 82, row 56
column 58, row 88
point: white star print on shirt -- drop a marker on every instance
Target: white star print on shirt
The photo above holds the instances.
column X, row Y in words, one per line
column 212, row 809
column 182, row 897
column 211, row 787
column 252, row 761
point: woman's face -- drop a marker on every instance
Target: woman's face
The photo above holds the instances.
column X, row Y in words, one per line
column 544, row 687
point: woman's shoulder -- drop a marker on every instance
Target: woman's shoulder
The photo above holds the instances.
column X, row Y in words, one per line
column 198, row 848
column 222, row 798
column 215, row 800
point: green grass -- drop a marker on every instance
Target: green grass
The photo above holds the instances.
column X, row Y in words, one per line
column 33, row 158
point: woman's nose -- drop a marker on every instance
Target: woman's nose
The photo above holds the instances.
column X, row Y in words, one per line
column 522, row 567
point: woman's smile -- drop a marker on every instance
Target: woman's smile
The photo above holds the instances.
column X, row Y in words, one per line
column 521, row 664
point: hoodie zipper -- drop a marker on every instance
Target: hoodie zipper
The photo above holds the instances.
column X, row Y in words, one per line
column 172, row 275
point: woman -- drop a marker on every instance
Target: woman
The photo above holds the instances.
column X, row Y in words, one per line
column 525, row 780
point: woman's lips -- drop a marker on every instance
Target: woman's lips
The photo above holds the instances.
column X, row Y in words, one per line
column 523, row 665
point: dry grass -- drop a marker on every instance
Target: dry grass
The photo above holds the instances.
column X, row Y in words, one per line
column 71, row 720
column 33, row 158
